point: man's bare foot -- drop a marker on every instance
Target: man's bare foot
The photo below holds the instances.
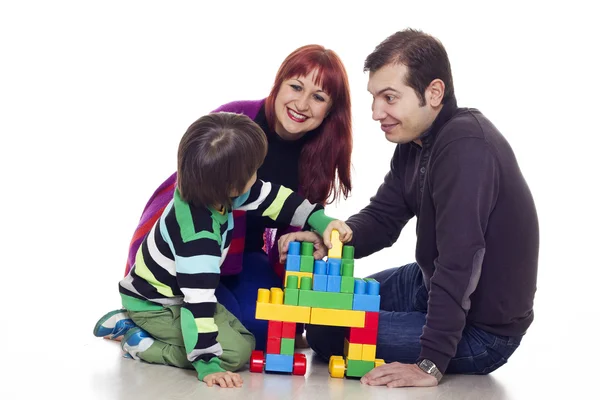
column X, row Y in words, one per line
column 300, row 341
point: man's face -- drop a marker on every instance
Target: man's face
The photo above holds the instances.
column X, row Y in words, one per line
column 396, row 105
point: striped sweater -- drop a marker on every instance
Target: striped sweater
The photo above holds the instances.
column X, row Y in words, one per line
column 179, row 262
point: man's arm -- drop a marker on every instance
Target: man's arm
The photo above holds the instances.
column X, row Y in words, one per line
column 379, row 224
column 464, row 182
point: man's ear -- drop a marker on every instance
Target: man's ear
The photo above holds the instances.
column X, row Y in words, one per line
column 435, row 92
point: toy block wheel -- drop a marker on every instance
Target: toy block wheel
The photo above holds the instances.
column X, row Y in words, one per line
column 379, row 362
column 257, row 361
column 337, row 367
column 299, row 364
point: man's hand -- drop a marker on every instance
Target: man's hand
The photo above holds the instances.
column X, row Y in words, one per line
column 398, row 375
column 223, row 379
column 319, row 247
column 342, row 228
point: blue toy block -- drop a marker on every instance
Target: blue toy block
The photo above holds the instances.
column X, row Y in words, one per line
column 320, row 282
column 279, row 363
column 365, row 302
column 360, row 286
column 334, row 283
column 294, row 248
column 372, row 287
column 334, row 266
column 292, row 263
column 320, row 267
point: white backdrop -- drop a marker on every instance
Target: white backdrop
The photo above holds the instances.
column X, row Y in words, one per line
column 94, row 97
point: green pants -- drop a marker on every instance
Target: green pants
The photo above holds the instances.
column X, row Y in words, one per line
column 168, row 348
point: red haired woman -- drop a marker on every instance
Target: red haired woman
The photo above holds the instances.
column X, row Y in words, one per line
column 307, row 119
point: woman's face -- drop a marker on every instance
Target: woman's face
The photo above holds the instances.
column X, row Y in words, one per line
column 300, row 107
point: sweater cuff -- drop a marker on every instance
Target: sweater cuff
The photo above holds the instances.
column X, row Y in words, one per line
column 440, row 360
column 319, row 221
column 205, row 368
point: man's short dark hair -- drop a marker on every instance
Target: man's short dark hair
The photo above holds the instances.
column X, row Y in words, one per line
column 423, row 55
column 218, row 155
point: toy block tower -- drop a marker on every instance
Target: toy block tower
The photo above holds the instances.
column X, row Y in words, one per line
column 321, row 293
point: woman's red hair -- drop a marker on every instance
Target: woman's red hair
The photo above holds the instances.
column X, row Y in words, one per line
column 325, row 158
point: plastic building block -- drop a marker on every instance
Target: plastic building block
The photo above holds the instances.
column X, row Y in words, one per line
column 347, row 284
column 307, row 249
column 307, row 263
column 300, row 275
column 305, row 283
column 353, row 351
column 360, row 286
column 275, row 329
column 320, row 282
column 348, row 268
column 287, row 346
column 291, row 282
column 273, row 345
column 334, row 283
column 299, row 364
column 334, row 266
column 294, row 248
column 279, row 363
column 337, row 366
column 368, row 352
column 337, row 301
column 349, row 318
column 365, row 302
column 348, row 253
column 291, row 297
column 320, row 267
column 372, row 320
column 354, row 368
column 257, row 361
column 292, row 263
column 282, row 312
column 288, row 330
column 367, row 334
column 372, row 287
column 379, row 362
column 336, row 245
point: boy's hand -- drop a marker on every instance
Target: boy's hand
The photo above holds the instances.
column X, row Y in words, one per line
column 223, row 379
column 305, row 236
column 342, row 228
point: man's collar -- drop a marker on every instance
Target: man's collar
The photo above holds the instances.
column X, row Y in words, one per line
column 447, row 111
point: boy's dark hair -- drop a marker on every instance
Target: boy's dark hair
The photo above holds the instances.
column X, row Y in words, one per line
column 217, row 155
column 423, row 55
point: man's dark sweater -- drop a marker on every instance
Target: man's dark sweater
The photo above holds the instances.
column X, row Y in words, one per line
column 477, row 228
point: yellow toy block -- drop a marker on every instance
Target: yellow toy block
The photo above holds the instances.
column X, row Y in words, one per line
column 330, row 317
column 379, row 362
column 353, row 351
column 298, row 274
column 368, row 352
column 336, row 245
column 282, row 312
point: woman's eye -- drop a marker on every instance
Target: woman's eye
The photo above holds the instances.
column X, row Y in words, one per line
column 319, row 97
column 297, row 88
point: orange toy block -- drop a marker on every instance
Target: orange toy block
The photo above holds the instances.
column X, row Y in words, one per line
column 329, row 317
column 336, row 245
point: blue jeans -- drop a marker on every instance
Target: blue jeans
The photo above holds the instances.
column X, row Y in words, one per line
column 401, row 320
column 237, row 293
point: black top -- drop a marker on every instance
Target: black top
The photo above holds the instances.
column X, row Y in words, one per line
column 477, row 228
column 281, row 166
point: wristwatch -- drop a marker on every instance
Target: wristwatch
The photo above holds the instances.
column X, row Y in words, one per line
column 430, row 368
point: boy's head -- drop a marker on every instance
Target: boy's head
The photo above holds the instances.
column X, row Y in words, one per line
column 218, row 155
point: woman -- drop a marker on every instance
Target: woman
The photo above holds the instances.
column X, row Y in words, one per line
column 307, row 119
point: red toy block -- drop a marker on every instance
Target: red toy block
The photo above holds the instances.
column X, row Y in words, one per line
column 275, row 329
column 372, row 319
column 288, row 330
column 363, row 336
column 274, row 345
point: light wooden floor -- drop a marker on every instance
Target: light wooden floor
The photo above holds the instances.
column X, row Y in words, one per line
column 96, row 370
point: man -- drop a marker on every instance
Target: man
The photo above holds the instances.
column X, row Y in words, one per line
column 468, row 301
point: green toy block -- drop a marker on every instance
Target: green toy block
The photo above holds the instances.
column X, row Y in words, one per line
column 305, row 283
column 307, row 249
column 292, row 282
column 348, row 268
column 358, row 368
column 290, row 296
column 334, row 300
column 287, row 346
column 347, row 284
column 348, row 253
column 307, row 263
